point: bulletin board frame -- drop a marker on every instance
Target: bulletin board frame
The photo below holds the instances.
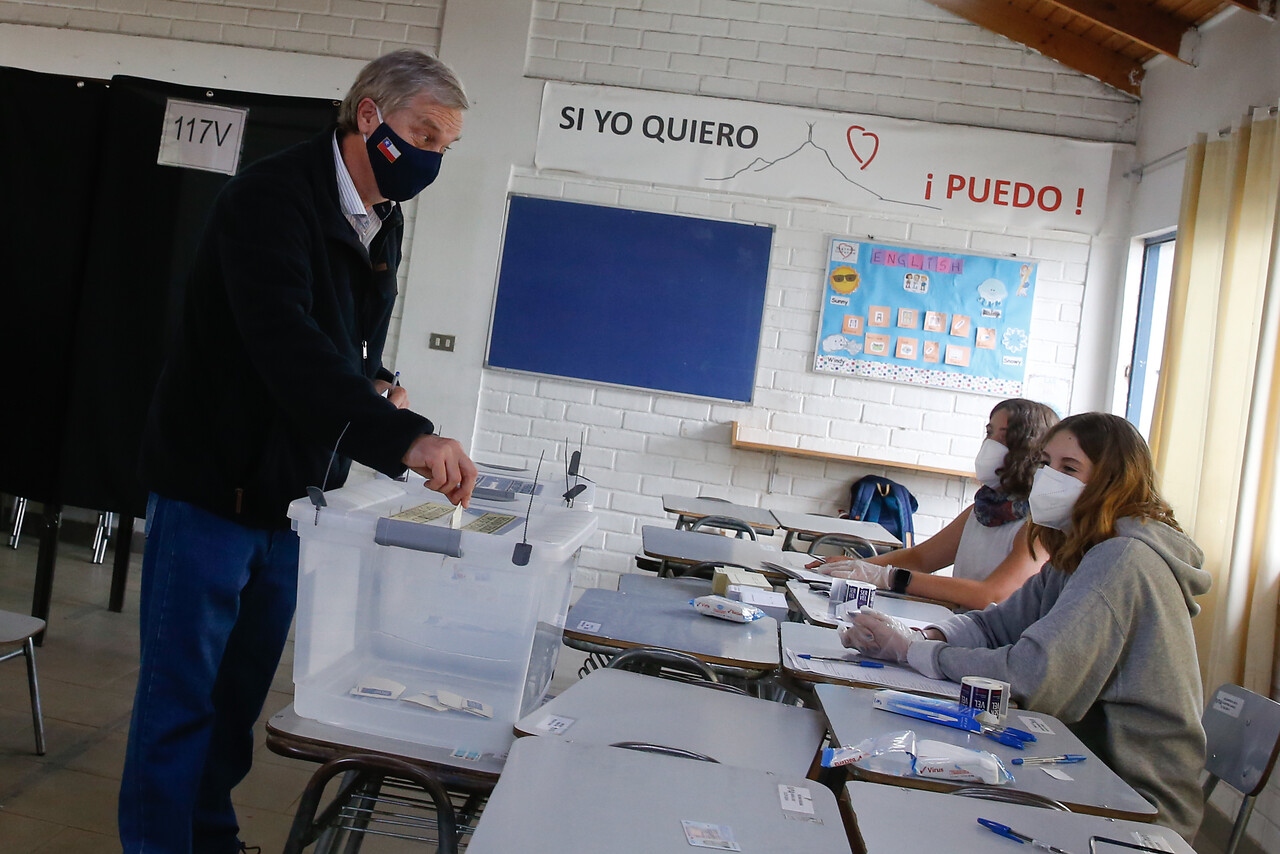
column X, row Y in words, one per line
column 926, row 316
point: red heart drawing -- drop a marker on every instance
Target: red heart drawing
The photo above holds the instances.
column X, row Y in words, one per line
column 844, row 249
column 863, row 134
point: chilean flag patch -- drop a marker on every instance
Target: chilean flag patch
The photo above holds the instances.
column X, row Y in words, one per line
column 389, row 150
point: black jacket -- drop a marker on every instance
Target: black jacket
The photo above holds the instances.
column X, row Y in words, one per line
column 283, row 326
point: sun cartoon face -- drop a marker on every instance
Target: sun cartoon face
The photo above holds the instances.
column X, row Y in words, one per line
column 844, row 279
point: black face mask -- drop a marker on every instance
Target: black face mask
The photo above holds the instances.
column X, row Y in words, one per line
column 401, row 170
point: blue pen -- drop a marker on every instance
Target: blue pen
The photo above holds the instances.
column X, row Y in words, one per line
column 397, row 380
column 1064, row 759
column 860, row 662
column 1009, row 833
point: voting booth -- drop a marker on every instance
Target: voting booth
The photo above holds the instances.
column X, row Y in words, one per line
column 420, row 622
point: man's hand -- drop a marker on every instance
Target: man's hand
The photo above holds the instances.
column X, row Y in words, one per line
column 394, row 393
column 445, row 465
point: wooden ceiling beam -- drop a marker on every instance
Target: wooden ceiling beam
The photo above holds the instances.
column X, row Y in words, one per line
column 1147, row 25
column 1001, row 17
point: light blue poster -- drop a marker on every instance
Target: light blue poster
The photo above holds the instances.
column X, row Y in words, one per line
column 925, row 317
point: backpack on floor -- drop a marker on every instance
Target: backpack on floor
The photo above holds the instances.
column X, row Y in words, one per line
column 878, row 499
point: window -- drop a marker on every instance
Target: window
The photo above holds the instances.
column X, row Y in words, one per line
column 1147, row 355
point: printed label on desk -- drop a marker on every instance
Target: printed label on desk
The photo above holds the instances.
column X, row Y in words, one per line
column 555, row 724
column 592, row 628
column 1228, row 704
column 1151, row 841
column 466, row 754
column 1058, row 774
column 703, row 835
column 795, row 799
column 797, row 804
column 1035, row 726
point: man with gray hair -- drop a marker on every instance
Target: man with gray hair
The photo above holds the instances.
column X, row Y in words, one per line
column 273, row 384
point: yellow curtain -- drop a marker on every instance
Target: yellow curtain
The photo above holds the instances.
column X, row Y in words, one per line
column 1214, row 433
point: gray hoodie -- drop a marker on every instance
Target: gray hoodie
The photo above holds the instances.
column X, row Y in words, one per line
column 1107, row 650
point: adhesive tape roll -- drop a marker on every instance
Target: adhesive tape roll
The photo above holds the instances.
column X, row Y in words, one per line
column 989, row 696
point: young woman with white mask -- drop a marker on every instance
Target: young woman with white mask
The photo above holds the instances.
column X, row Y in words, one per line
column 1101, row 637
column 985, row 544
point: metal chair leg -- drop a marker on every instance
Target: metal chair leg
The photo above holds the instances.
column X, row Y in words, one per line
column 33, row 684
column 101, row 535
column 1242, row 819
column 19, row 513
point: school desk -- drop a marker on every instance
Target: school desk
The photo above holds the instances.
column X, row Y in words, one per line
column 801, row 675
column 607, row 621
column 878, row 815
column 672, row 546
column 813, row 526
column 1089, row 787
column 288, row 734
column 689, row 510
column 555, row 795
column 653, row 585
column 609, row 706
column 815, row 606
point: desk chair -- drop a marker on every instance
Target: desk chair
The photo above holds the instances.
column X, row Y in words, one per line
column 725, row 523
column 379, row 796
column 706, row 569
column 19, row 513
column 1243, row 734
column 849, row 544
column 21, row 629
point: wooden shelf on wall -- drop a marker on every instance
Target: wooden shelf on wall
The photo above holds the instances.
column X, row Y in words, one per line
column 738, row 442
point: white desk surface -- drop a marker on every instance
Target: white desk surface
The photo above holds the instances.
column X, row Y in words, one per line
column 653, row 585
column 820, row 641
column 811, row 523
column 691, row 547
column 1093, row 788
column 696, row 508
column 556, row 796
column 815, row 607
column 625, row 620
column 609, row 706
column 953, row 824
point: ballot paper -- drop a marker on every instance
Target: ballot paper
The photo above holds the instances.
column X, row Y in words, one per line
column 890, row 676
column 793, row 567
column 447, row 515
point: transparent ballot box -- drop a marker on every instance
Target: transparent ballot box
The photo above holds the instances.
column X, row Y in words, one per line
column 419, row 624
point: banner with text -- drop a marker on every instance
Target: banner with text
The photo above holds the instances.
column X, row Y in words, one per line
column 889, row 165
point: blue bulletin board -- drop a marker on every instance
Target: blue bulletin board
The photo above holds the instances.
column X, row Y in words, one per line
column 926, row 317
column 634, row 298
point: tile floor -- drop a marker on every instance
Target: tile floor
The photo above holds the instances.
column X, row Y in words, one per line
column 65, row 801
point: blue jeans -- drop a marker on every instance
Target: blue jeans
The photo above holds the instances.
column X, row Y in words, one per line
column 217, row 601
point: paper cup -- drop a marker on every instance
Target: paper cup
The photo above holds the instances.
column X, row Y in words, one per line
column 849, row 595
column 989, row 696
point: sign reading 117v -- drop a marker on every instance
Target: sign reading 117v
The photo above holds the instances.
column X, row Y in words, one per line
column 202, row 136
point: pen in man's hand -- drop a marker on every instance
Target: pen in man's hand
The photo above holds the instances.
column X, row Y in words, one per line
column 396, row 383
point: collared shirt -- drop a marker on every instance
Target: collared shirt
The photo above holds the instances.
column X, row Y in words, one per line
column 365, row 222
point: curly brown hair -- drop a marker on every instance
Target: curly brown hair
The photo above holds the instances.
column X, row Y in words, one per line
column 1123, row 483
column 1028, row 423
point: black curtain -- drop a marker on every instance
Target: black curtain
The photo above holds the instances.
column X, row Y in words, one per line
column 146, row 223
column 50, row 156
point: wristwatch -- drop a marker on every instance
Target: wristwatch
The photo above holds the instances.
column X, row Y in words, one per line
column 899, row 578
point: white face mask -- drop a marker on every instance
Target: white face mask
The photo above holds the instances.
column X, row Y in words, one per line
column 1053, row 494
column 990, row 457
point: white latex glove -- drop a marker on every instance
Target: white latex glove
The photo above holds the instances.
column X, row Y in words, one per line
column 878, row 635
column 858, row 570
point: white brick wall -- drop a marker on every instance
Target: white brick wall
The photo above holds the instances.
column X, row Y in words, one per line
column 902, row 58
column 357, row 29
